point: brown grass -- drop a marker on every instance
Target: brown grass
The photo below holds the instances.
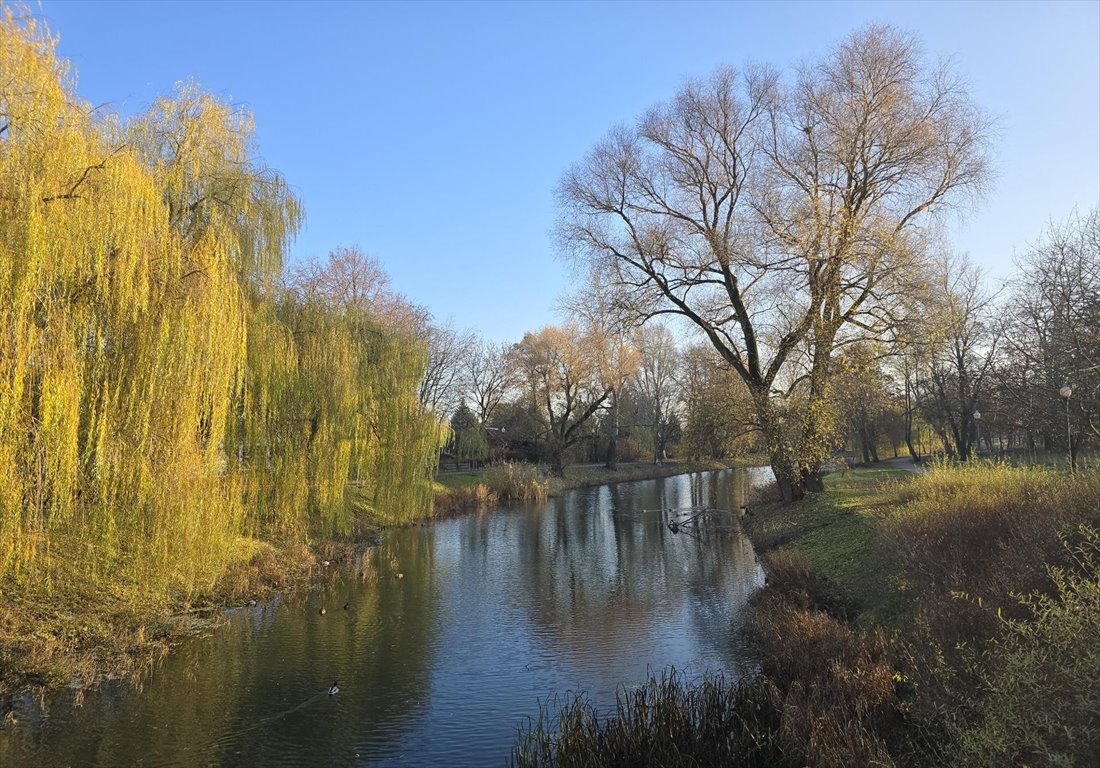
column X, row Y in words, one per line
column 84, row 633
column 450, row 500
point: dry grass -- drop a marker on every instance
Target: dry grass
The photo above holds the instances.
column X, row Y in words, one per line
column 450, row 500
column 516, row 481
column 838, row 684
column 963, row 670
column 667, row 722
column 79, row 633
column 967, row 540
column 988, row 524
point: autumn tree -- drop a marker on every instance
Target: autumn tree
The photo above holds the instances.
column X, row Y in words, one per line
column 599, row 308
column 163, row 393
column 718, row 418
column 561, row 370
column 782, row 219
column 865, row 397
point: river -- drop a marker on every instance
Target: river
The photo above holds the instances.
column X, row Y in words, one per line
column 452, row 635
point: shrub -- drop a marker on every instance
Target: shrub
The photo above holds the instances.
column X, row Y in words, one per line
column 984, row 532
column 838, row 684
column 790, row 574
column 1040, row 695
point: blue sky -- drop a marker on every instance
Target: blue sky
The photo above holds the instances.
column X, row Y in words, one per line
column 433, row 135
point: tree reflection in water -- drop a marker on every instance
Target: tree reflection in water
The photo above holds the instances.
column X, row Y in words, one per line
column 495, row 611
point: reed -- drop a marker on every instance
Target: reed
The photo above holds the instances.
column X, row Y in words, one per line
column 517, row 481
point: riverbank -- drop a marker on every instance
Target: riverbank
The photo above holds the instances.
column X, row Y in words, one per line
column 79, row 634
column 456, row 492
column 892, row 632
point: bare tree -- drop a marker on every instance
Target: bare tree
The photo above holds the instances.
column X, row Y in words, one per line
column 448, row 350
column 961, row 356
column 350, row 279
column 1053, row 335
column 489, row 377
column 782, row 221
column 657, row 380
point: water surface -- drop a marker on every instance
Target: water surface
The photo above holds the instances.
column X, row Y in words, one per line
column 495, row 612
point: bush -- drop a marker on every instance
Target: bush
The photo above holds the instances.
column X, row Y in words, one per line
column 968, row 538
column 839, row 683
column 1040, row 697
column 790, row 574
column 516, row 481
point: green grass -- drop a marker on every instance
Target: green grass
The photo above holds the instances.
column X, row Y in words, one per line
column 457, row 479
column 837, row 533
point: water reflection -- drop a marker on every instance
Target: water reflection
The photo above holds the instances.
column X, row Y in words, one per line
column 495, row 611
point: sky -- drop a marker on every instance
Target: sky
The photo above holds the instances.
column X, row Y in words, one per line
column 433, row 135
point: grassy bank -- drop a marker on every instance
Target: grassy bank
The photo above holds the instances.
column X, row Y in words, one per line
column 948, row 618
column 505, row 483
column 77, row 636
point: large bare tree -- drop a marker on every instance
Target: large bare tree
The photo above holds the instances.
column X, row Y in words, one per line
column 782, row 219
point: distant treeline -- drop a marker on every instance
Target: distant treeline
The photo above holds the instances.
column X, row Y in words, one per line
column 166, row 386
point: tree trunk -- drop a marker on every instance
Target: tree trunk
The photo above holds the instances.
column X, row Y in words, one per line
column 612, row 462
column 658, row 447
column 557, row 461
column 788, row 478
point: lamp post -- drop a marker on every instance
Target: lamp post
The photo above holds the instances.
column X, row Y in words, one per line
column 977, row 433
column 1066, row 392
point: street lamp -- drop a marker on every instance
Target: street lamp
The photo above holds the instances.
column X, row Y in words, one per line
column 1066, row 392
column 977, row 433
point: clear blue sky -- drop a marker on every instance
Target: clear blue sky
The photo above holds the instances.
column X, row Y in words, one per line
column 433, row 135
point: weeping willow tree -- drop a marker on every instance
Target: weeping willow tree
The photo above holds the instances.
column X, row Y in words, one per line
column 160, row 394
column 330, row 398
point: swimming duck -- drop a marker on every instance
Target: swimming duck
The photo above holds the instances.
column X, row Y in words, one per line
column 335, row 689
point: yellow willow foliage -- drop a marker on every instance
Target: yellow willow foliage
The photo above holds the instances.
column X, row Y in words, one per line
column 330, row 397
column 158, row 399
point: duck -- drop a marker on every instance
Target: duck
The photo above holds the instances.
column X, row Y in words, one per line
column 399, row 576
column 335, row 689
column 347, row 606
column 322, row 611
